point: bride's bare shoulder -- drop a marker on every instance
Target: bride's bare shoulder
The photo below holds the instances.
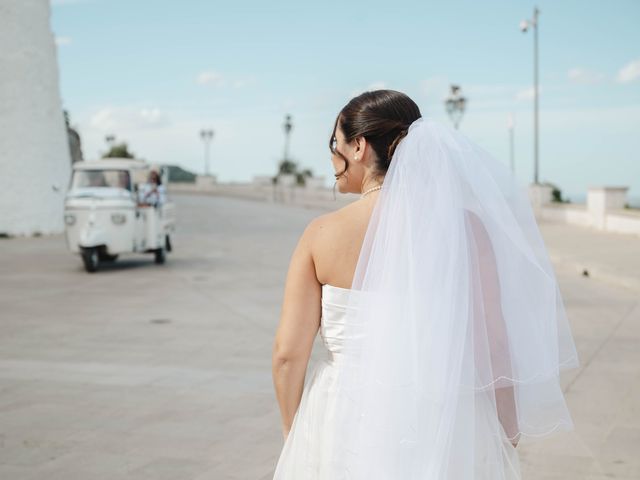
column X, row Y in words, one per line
column 333, row 225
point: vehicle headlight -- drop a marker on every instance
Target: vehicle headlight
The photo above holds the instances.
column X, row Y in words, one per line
column 69, row 219
column 118, row 218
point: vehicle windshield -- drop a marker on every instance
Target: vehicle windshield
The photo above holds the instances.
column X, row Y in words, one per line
column 101, row 178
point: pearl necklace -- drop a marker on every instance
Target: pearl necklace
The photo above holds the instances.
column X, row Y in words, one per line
column 370, row 190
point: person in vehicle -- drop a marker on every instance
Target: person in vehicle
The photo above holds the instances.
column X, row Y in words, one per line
column 153, row 192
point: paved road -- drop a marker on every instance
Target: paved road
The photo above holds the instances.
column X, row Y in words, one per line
column 163, row 372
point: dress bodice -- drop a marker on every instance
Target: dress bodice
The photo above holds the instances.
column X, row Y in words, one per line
column 335, row 301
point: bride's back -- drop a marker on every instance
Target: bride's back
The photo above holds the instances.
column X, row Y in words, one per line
column 337, row 241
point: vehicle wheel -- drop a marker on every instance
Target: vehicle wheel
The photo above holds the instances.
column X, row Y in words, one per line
column 160, row 255
column 168, row 243
column 91, row 259
column 105, row 257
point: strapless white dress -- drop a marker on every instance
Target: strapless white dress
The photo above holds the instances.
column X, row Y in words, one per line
column 305, row 454
column 308, row 452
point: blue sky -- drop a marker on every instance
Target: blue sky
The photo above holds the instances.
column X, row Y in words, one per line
column 155, row 72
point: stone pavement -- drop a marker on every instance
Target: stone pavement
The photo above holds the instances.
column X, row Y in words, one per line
column 604, row 393
column 163, row 372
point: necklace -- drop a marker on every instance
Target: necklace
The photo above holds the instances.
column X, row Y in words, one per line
column 370, row 190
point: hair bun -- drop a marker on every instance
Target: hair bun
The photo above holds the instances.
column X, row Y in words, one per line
column 396, row 141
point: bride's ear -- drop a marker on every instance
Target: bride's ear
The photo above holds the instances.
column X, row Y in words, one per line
column 360, row 148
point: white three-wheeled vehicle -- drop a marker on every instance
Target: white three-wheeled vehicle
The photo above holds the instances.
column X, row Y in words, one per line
column 111, row 209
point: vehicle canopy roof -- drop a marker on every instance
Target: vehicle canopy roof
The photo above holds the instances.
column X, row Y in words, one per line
column 112, row 164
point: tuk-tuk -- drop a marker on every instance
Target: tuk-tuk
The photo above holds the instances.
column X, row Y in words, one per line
column 111, row 209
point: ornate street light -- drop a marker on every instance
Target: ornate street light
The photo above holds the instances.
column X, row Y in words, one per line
column 455, row 105
column 206, row 136
column 524, row 26
column 288, row 126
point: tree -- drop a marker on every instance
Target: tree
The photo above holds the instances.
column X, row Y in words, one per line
column 119, row 150
column 288, row 167
column 556, row 193
column 301, row 177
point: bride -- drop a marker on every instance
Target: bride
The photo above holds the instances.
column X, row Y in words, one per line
column 438, row 307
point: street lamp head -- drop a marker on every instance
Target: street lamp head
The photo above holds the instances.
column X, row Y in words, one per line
column 455, row 104
column 288, row 125
column 206, row 134
column 524, row 26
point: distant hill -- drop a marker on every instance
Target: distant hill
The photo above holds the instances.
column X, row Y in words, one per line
column 179, row 174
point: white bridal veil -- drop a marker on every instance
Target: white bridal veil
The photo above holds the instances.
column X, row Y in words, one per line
column 457, row 343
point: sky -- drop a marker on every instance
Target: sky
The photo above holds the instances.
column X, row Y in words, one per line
column 154, row 73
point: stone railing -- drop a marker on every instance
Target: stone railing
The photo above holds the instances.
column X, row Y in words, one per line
column 605, row 209
column 313, row 195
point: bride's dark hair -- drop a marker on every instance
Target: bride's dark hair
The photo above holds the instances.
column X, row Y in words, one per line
column 382, row 117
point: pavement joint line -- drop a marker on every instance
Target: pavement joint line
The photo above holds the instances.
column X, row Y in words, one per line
column 602, row 345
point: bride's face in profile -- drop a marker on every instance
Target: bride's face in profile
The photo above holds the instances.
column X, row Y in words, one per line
column 355, row 153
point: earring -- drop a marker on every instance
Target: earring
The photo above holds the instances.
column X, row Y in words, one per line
column 356, row 158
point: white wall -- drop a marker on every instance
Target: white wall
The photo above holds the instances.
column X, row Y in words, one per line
column 34, row 151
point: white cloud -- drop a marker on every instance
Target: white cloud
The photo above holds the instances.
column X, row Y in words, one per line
column 61, row 41
column 152, row 117
column 210, row 78
column 630, row 72
column 120, row 119
column 527, row 93
column 584, row 76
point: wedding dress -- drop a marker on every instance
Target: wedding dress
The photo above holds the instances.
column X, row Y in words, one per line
column 306, row 452
column 451, row 339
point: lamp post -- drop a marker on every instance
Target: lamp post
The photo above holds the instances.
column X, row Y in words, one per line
column 288, row 126
column 207, row 136
column 524, row 26
column 455, row 105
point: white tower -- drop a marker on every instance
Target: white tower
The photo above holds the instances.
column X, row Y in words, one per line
column 34, row 152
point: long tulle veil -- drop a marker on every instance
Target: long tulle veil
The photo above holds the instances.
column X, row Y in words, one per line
column 456, row 339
